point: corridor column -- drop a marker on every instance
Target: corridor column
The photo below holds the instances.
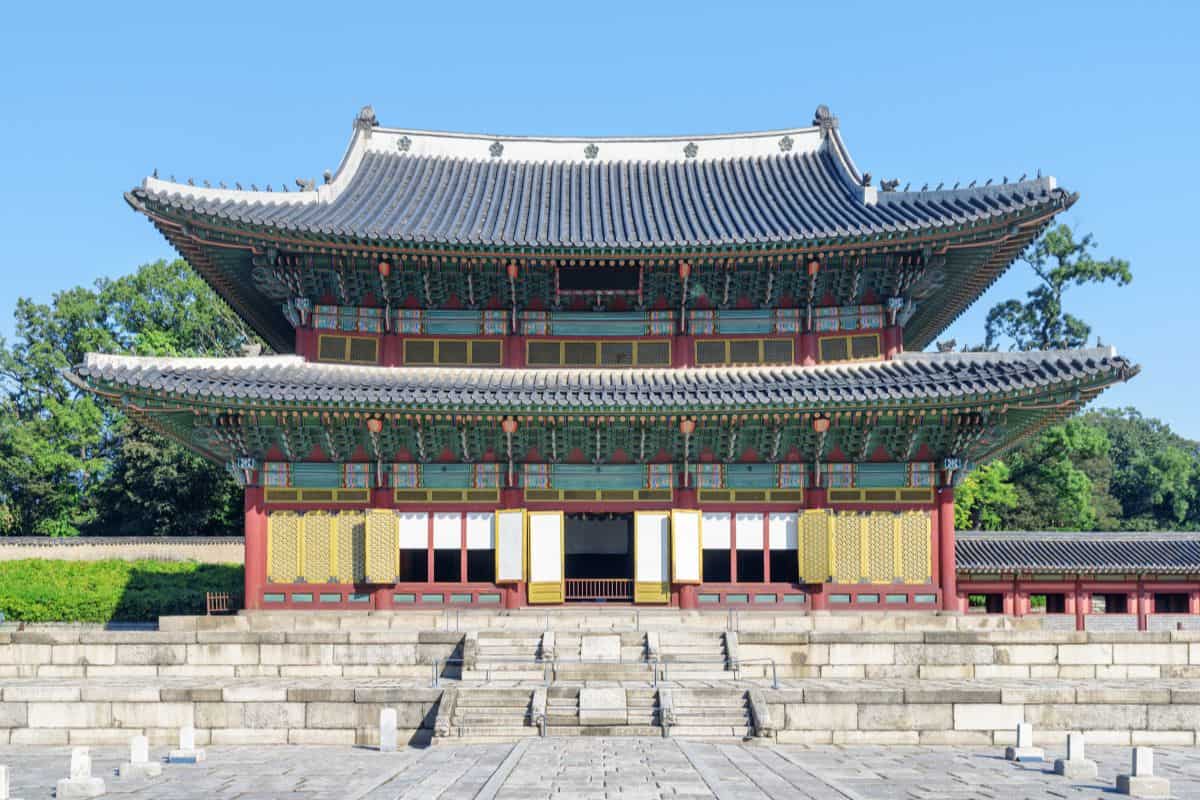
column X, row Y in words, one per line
column 255, row 571
column 949, row 568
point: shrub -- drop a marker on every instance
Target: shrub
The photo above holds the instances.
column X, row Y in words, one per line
column 40, row 590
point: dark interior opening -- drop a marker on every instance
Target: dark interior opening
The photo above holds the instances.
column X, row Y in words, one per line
column 481, row 566
column 785, row 566
column 414, row 566
column 716, row 566
column 750, row 566
column 447, row 566
column 1110, row 604
column 1170, row 603
column 599, row 546
column 607, row 279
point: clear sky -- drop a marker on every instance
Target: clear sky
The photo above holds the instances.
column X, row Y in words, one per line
column 1103, row 95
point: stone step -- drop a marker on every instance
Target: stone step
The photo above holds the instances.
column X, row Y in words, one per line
column 558, row 692
column 703, row 718
column 711, row 731
column 485, row 697
column 486, row 735
column 603, row 730
column 493, row 709
column 489, row 720
column 506, row 675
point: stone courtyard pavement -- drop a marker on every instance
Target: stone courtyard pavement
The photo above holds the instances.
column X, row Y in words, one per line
column 593, row 767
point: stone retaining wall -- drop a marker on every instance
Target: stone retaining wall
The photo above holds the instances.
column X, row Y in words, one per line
column 205, row 549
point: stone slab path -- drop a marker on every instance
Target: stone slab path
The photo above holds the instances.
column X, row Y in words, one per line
column 600, row 769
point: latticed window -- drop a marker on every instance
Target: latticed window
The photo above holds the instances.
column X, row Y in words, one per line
column 849, row 348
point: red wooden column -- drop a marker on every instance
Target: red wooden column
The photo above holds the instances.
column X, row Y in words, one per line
column 256, row 546
column 808, row 349
column 1080, row 613
column 949, row 567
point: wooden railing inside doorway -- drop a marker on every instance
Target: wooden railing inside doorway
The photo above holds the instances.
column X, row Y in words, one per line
column 619, row 589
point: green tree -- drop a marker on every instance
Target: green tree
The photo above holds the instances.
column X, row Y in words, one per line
column 1055, row 491
column 984, row 497
column 69, row 464
column 1041, row 322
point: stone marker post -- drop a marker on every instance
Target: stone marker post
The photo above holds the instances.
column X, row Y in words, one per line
column 1024, row 749
column 1142, row 782
column 387, row 730
column 80, row 784
column 1075, row 766
column 187, row 752
column 140, row 765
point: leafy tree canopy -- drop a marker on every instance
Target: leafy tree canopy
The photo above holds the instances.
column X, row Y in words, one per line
column 69, row 464
column 1040, row 322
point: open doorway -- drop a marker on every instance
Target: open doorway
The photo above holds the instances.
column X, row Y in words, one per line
column 598, row 558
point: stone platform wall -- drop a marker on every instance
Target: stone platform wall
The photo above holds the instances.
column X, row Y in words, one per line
column 206, row 550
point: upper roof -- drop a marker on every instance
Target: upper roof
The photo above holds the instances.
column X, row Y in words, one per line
column 626, row 193
column 1125, row 552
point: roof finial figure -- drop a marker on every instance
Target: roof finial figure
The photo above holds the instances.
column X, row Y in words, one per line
column 306, row 185
column 155, row 173
column 947, row 346
column 824, row 120
column 866, row 179
column 237, row 186
column 327, row 176
column 191, row 181
column 889, row 186
column 366, row 118
column 1022, row 178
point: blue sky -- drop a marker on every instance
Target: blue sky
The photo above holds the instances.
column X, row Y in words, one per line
column 1102, row 95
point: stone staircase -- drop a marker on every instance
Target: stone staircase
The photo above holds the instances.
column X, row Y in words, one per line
column 640, row 715
column 606, row 656
column 485, row 715
column 711, row 714
column 694, row 655
column 504, row 656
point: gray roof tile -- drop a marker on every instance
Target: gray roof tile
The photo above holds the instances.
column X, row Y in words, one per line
column 1123, row 552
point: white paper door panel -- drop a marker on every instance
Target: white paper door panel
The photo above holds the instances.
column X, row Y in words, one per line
column 716, row 530
column 685, row 546
column 510, row 546
column 414, row 530
column 749, row 531
column 785, row 531
column 447, row 531
column 480, row 535
column 652, row 547
column 545, row 548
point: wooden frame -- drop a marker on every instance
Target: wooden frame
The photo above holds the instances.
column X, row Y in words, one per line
column 437, row 342
column 847, row 337
column 348, row 339
column 635, row 345
column 650, row 591
column 759, row 341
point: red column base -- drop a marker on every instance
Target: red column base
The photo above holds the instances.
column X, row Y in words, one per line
column 688, row 597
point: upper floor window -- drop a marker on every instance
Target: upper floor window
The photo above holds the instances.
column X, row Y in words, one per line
column 849, row 348
column 598, row 353
column 348, row 349
column 744, row 351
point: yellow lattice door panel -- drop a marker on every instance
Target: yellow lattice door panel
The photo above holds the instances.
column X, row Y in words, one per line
column 846, row 548
column 383, row 547
column 350, row 552
column 814, row 545
column 283, row 546
column 879, row 535
column 916, row 556
column 316, row 555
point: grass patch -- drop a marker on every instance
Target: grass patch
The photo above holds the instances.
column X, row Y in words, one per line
column 41, row 590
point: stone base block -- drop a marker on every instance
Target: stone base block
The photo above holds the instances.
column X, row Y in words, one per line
column 76, row 788
column 145, row 769
column 1143, row 786
column 1077, row 769
column 185, row 757
column 1024, row 754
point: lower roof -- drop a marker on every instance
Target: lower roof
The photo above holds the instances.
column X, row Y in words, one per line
column 911, row 378
column 1087, row 552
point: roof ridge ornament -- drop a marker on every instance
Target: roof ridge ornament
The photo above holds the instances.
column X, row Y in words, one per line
column 785, row 144
column 591, row 151
column 825, row 120
column 366, row 118
column 690, row 150
column 497, row 149
column 403, row 143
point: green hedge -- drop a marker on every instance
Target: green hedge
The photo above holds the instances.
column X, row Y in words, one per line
column 37, row 590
